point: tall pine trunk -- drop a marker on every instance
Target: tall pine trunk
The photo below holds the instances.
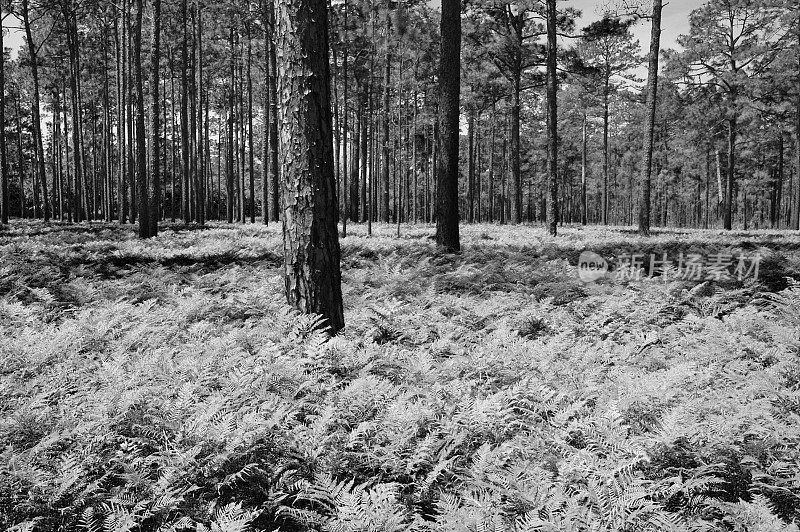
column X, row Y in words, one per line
column 552, row 120
column 447, row 234
column 311, row 244
column 154, row 189
column 37, row 123
column 652, row 88
column 185, row 163
column 141, row 144
column 4, row 206
column 386, row 115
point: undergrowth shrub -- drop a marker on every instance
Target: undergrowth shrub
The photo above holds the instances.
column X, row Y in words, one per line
column 163, row 385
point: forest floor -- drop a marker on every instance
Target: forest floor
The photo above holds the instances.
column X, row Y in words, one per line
column 164, row 383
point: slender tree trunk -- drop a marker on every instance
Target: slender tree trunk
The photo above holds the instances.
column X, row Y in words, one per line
column 185, row 163
column 250, row 126
column 606, row 95
column 795, row 225
column 311, row 244
column 516, row 179
column 141, row 145
column 552, row 120
column 229, row 173
column 447, row 233
column 72, row 45
column 273, row 116
column 584, row 146
column 4, row 205
column 652, row 88
column 730, row 181
column 386, row 114
column 778, row 187
column 365, row 143
column 471, row 166
column 37, row 123
column 491, row 164
column 153, row 191
column 355, row 170
column 265, row 151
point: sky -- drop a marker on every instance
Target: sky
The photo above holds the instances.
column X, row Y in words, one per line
column 675, row 21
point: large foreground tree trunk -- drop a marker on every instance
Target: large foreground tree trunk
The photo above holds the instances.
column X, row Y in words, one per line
column 652, row 88
column 447, row 235
column 310, row 240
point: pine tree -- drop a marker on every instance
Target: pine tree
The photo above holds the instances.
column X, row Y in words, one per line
column 311, row 243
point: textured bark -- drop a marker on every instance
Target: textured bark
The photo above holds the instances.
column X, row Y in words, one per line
column 250, row 127
column 185, row 163
column 141, row 145
column 491, row 164
column 3, row 164
column 354, row 170
column 76, row 120
column 652, row 88
column 775, row 211
column 447, row 234
column 311, row 244
column 552, row 120
column 729, row 182
column 584, row 202
column 365, row 143
column 606, row 97
column 516, row 179
column 471, row 166
column 273, row 117
column 229, row 168
column 386, row 114
column 37, row 123
column 154, row 188
column 796, row 207
column 200, row 167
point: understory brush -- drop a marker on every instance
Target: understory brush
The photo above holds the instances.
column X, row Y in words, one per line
column 164, row 385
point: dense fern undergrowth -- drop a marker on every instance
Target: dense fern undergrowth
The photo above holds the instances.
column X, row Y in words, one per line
column 164, row 385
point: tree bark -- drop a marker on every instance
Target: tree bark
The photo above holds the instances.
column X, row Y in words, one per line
column 273, row 117
column 729, row 182
column 650, row 109
column 141, row 144
column 386, row 117
column 584, row 201
column 516, row 179
column 72, row 45
column 37, row 123
column 4, row 206
column 185, row 163
column 229, row 168
column 471, row 166
column 796, row 207
column 606, row 96
column 552, row 120
column 447, row 233
column 153, row 195
column 311, row 243
column 250, row 127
